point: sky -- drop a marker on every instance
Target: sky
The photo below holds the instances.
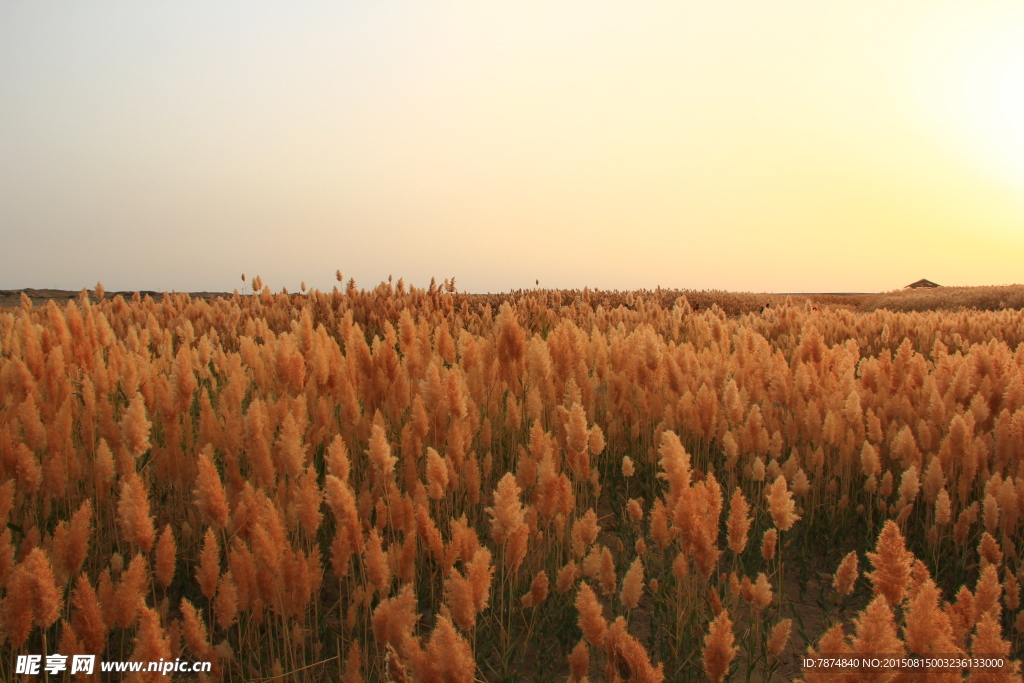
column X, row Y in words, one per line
column 759, row 146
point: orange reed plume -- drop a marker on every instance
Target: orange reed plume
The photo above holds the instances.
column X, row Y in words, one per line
column 987, row 592
column 590, row 620
column 768, row 543
column 584, row 532
column 989, row 550
column 194, row 631
column 607, row 571
column 892, row 562
column 927, row 629
column 151, row 644
column 480, row 573
column 382, row 463
column 629, row 658
column 394, row 619
column 209, row 491
column 33, row 582
column 943, row 508
column 833, row 642
column 634, row 511
column 450, row 653
column 847, row 574
column 378, row 569
column 209, row 564
column 718, row 648
column 988, row 643
column 133, row 513
column 458, row 595
column 660, row 532
column 567, row 576
column 869, row 460
column 739, row 521
column 166, row 550
column 876, row 634
column 338, row 461
column 675, row 463
column 135, row 427
column 761, row 591
column 579, row 662
column 781, row 504
column 87, row 617
column 506, row 514
column 633, row 585
column 70, row 551
column 779, row 636
column 538, row 591
column 130, row 595
column 437, row 475
column 628, row 468
column 226, row 604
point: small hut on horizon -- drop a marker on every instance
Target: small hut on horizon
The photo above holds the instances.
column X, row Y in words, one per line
column 921, row 283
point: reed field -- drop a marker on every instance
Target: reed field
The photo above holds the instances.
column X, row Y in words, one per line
column 404, row 484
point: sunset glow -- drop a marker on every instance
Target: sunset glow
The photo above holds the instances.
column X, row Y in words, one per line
column 784, row 146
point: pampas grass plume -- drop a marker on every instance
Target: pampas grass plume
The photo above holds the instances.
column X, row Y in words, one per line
column 779, row 636
column 194, row 631
column 660, row 533
column 209, row 492
column 590, row 619
column 87, row 616
column 378, row 569
column 166, row 550
column 451, row 653
column 628, row 469
column 869, row 461
column 739, row 521
column 437, row 475
column 718, row 648
column 567, row 576
column 943, row 508
column 226, row 604
column 135, row 427
column 579, row 662
column 133, row 513
column 76, row 545
column 768, row 543
column 892, row 562
column 847, row 574
column 538, row 590
column 876, row 633
column 633, row 585
column 129, row 596
column 761, row 591
column 209, row 564
column 506, row 514
column 458, row 595
column 45, row 595
column 781, row 504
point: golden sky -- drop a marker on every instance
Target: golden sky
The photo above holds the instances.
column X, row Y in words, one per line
column 762, row 146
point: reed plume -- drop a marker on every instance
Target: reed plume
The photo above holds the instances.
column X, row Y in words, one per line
column 847, row 574
column 133, row 513
column 591, row 621
column 718, row 648
column 209, row 491
column 209, row 564
column 892, row 562
column 633, row 585
column 166, row 550
column 781, row 504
